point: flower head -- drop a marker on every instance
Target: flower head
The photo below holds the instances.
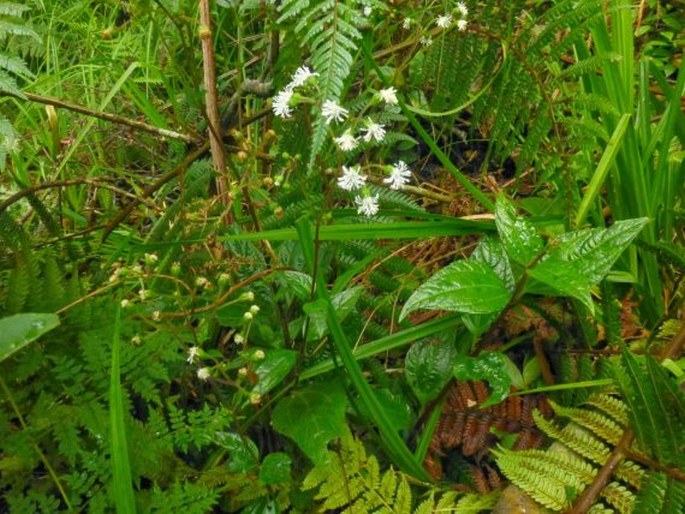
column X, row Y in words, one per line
column 389, row 95
column 461, row 25
column 351, row 178
column 281, row 104
column 406, row 23
column 203, row 373
column 367, row 11
column 444, row 21
column 426, row 41
column 367, row 205
column 399, row 176
column 192, row 354
column 374, row 131
column 347, row 142
column 301, row 75
column 463, row 10
column 333, row 111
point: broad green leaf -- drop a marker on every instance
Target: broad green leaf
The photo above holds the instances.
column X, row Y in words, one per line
column 463, row 286
column 297, row 283
column 395, row 407
column 21, row 329
column 593, row 252
column 488, row 366
column 520, row 238
column 560, row 280
column 271, row 371
column 275, row 469
column 312, row 417
column 242, row 451
column 491, row 252
column 579, row 260
column 428, row 367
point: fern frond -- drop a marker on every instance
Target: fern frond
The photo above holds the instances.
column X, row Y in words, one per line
column 595, row 422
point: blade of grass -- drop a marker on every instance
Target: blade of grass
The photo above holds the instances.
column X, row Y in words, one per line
column 358, row 231
column 395, row 445
column 387, row 343
column 121, row 468
column 605, row 163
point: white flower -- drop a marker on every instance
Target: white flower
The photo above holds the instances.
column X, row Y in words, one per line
column 255, row 398
column 192, row 354
column 351, row 179
column 248, row 316
column 367, row 205
column 202, row 282
column 406, row 23
column 254, row 309
column 281, row 104
column 399, row 176
column 332, row 111
column 426, row 41
column 125, row 303
column 444, row 21
column 347, row 142
column 301, row 75
column 259, row 355
column 203, row 373
column 461, row 7
column 239, row 339
column 461, row 25
column 156, row 316
column 373, row 131
column 367, row 11
column 389, row 95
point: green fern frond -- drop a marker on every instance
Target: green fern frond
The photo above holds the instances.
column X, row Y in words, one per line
column 595, row 422
column 329, row 29
column 619, row 497
column 574, row 437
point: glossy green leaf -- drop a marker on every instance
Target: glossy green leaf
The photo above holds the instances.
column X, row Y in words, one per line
column 428, row 367
column 275, row 469
column 579, row 260
column 463, row 286
column 312, row 417
column 275, row 366
column 297, row 283
column 21, row 329
column 242, row 451
column 593, row 252
column 491, row 251
column 488, row 366
column 520, row 237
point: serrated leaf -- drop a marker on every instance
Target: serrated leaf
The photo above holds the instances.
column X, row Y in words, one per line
column 579, row 260
column 463, row 286
column 312, row 417
column 275, row 366
column 428, row 367
column 21, row 329
column 275, row 469
column 488, row 366
column 520, row 238
column 343, row 303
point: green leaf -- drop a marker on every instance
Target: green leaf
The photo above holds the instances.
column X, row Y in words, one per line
column 243, row 452
column 428, row 367
column 271, row 371
column 593, row 252
column 21, row 329
column 520, row 238
column 343, row 303
column 463, row 286
column 275, row 469
column 491, row 251
column 312, row 417
column 579, row 260
column 488, row 366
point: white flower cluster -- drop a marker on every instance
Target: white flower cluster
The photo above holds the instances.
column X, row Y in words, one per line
column 444, row 21
column 282, row 103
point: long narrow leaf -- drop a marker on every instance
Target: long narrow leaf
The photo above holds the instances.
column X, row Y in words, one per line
column 121, row 468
